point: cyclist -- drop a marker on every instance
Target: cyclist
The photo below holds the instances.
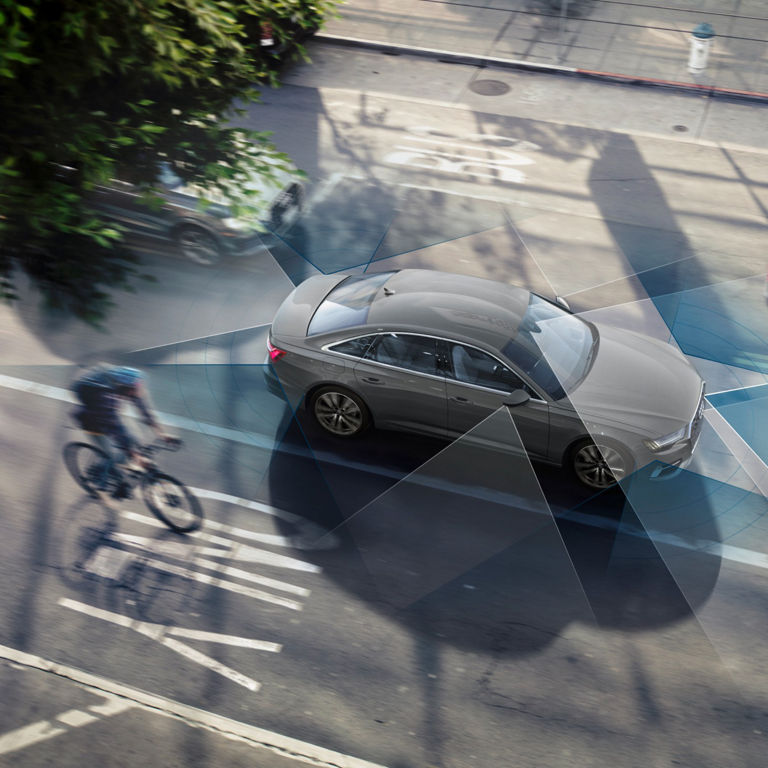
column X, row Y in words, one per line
column 101, row 391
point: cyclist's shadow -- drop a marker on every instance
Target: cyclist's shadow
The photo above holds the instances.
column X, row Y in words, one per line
column 93, row 559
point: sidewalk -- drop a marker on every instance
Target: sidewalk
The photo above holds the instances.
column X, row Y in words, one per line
column 642, row 41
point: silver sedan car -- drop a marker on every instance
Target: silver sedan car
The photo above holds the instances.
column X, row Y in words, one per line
column 202, row 234
column 437, row 353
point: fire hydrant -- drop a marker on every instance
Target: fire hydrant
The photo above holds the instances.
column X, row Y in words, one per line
column 701, row 42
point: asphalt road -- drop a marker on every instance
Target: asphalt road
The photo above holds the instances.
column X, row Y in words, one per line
column 566, row 629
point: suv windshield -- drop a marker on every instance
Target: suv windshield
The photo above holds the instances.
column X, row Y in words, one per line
column 552, row 346
column 347, row 304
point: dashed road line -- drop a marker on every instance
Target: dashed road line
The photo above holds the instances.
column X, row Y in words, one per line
column 42, row 730
column 192, row 716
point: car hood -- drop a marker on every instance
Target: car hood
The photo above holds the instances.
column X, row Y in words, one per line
column 639, row 382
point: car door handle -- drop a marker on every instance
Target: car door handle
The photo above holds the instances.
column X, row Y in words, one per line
column 459, row 399
column 372, row 380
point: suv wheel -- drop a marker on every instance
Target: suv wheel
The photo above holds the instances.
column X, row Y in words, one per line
column 340, row 412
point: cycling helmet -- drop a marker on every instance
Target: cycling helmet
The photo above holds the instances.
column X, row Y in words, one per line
column 123, row 377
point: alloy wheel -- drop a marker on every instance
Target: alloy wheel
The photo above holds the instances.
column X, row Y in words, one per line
column 338, row 413
column 599, row 466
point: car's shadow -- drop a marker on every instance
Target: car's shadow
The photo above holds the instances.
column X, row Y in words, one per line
column 478, row 566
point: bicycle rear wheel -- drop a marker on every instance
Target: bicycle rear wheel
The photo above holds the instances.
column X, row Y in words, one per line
column 85, row 463
column 171, row 502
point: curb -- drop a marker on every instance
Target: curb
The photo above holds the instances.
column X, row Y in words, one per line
column 478, row 60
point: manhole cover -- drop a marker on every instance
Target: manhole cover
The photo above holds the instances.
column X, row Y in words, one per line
column 680, row 128
column 489, row 87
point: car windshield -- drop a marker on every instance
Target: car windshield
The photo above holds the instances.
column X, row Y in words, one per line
column 347, row 304
column 553, row 347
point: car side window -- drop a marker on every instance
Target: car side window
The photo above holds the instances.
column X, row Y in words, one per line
column 474, row 366
column 353, row 347
column 415, row 353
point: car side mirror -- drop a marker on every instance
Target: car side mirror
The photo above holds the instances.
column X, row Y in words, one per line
column 517, row 397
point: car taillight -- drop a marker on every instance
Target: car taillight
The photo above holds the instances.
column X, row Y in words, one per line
column 275, row 353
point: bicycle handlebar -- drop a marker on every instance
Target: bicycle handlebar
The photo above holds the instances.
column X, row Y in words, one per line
column 172, row 445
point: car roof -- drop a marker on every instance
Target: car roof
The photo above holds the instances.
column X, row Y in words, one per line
column 448, row 304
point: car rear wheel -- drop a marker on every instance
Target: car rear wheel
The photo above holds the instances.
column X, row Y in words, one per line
column 340, row 412
column 197, row 245
column 601, row 464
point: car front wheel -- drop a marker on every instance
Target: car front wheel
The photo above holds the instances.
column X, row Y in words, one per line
column 340, row 412
column 601, row 464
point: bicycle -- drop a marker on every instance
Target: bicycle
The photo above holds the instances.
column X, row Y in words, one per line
column 165, row 496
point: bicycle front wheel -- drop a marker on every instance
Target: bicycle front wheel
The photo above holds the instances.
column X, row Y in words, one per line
column 171, row 502
column 86, row 464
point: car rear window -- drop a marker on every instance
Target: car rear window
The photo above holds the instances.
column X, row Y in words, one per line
column 347, row 304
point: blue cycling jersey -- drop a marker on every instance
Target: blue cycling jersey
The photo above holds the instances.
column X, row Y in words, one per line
column 101, row 401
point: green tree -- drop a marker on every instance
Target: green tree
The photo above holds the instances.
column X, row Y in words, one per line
column 107, row 88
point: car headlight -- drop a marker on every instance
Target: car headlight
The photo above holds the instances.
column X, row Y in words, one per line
column 239, row 225
column 660, row 443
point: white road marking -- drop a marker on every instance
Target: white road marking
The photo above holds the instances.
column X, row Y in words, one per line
column 192, row 716
column 206, row 661
column 309, row 532
column 441, row 162
column 76, row 718
column 194, row 555
column 737, row 389
column 233, row 549
column 161, row 634
column 327, row 93
column 28, row 735
column 221, row 583
column 42, row 730
column 156, row 631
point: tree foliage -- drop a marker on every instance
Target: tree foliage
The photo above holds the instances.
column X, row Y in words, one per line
column 106, row 88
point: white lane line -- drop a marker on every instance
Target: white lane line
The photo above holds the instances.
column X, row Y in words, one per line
column 28, row 735
column 216, row 637
column 192, row 716
column 206, row 661
column 160, row 633
column 156, row 631
column 76, row 718
column 195, row 555
column 233, row 549
column 258, row 506
column 309, row 532
column 221, row 583
column 42, row 730
column 737, row 389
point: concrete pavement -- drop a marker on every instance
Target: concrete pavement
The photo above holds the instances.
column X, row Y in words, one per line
column 647, row 42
